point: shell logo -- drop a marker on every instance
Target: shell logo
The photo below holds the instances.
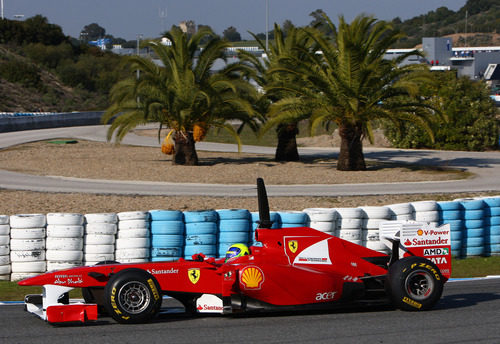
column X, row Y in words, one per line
column 420, row 232
column 252, row 277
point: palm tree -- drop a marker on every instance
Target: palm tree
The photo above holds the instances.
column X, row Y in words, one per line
column 350, row 84
column 293, row 46
column 182, row 94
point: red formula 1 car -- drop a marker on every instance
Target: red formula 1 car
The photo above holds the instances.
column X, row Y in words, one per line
column 295, row 268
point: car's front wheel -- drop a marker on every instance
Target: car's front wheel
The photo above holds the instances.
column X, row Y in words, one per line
column 132, row 296
column 414, row 284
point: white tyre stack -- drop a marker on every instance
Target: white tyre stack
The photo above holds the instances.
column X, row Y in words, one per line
column 322, row 219
column 64, row 240
column 133, row 243
column 99, row 238
column 350, row 224
column 373, row 216
column 401, row 211
column 27, row 245
column 4, row 248
column 426, row 211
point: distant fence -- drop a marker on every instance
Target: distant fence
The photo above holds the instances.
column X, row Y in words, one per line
column 16, row 121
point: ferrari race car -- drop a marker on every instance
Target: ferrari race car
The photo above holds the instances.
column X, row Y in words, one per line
column 294, row 268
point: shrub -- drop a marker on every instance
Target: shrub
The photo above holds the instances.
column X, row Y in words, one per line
column 49, row 55
column 20, row 72
column 471, row 123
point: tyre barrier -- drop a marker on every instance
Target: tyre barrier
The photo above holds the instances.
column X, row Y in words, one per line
column 322, row 219
column 27, row 245
column 401, row 211
column 426, row 211
column 492, row 226
column 31, row 244
column 234, row 226
column 167, row 234
column 290, row 219
column 200, row 223
column 255, row 219
column 64, row 241
column 473, row 243
column 99, row 237
column 372, row 218
column 133, row 238
column 4, row 248
column 350, row 224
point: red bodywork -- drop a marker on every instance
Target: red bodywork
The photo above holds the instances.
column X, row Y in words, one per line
column 294, row 266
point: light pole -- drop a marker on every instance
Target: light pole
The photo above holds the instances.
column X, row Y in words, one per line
column 139, row 36
column 2, row 9
column 267, row 25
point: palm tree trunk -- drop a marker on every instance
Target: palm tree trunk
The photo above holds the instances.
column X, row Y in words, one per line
column 287, row 143
column 351, row 156
column 185, row 150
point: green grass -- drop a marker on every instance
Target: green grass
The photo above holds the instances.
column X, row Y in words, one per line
column 248, row 137
column 10, row 291
column 470, row 267
column 475, row 267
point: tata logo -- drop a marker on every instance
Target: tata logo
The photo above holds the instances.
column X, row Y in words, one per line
column 436, row 251
column 194, row 275
column 293, row 246
column 438, row 260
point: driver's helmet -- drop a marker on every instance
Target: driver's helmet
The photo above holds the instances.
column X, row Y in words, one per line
column 237, row 250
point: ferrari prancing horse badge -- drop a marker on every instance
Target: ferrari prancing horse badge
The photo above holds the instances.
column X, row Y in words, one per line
column 293, row 245
column 194, row 275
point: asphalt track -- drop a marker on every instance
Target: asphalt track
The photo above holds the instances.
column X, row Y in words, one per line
column 467, row 313
column 484, row 165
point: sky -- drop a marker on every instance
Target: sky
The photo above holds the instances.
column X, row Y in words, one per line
column 129, row 18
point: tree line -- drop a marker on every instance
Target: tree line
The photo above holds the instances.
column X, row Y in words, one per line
column 348, row 86
column 39, row 46
column 328, row 75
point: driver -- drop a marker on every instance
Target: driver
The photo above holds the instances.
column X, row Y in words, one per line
column 236, row 250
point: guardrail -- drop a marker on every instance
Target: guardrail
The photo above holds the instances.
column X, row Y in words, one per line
column 16, row 121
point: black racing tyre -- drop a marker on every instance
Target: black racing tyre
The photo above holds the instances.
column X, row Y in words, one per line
column 414, row 284
column 132, row 296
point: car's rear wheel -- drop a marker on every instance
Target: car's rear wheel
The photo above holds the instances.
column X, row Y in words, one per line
column 132, row 296
column 414, row 284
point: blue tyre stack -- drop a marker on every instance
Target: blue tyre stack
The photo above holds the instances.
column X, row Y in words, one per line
column 492, row 219
column 167, row 232
column 273, row 216
column 201, row 233
column 290, row 219
column 234, row 228
column 450, row 212
column 475, row 231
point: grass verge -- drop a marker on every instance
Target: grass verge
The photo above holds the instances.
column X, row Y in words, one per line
column 461, row 268
column 475, row 267
column 10, row 291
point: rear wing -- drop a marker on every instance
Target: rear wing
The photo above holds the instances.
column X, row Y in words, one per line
column 422, row 239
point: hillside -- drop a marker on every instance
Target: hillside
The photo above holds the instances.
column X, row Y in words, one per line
column 48, row 94
column 26, row 86
column 48, row 71
column 475, row 24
